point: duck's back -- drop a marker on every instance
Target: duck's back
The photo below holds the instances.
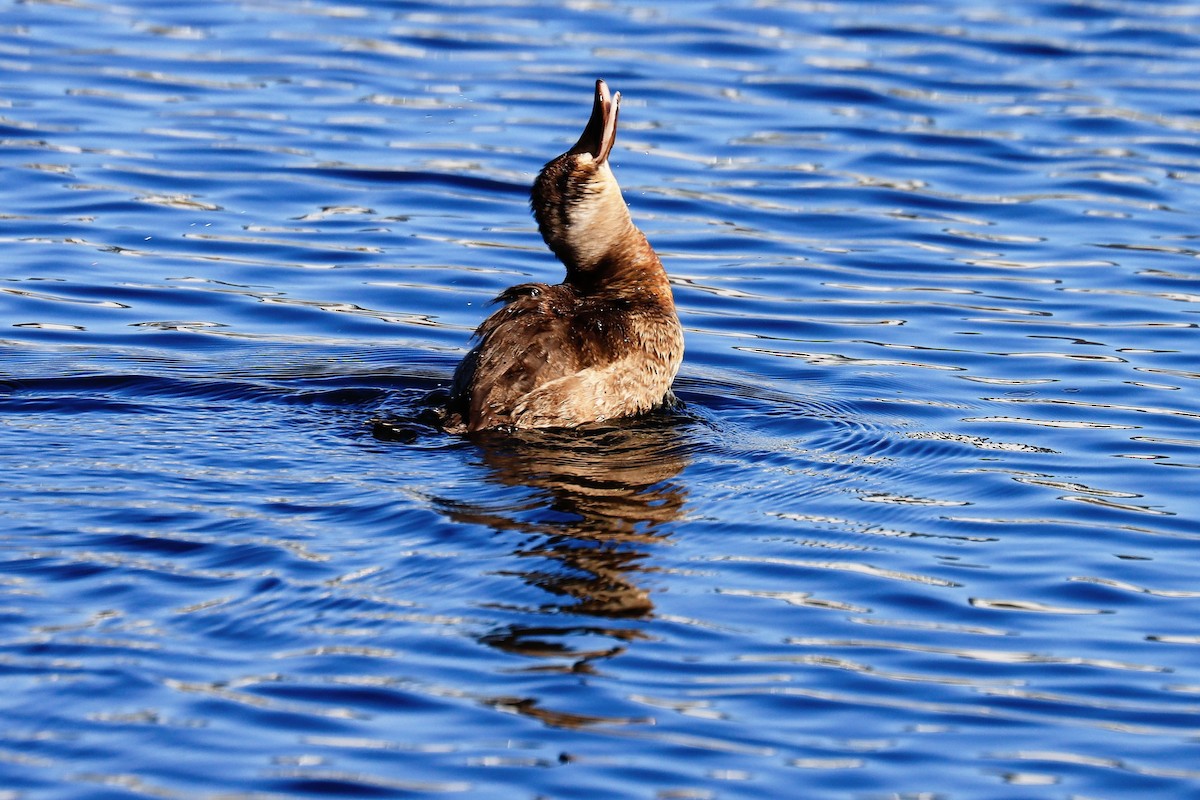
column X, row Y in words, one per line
column 519, row 348
column 554, row 358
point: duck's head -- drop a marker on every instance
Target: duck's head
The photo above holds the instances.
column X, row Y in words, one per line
column 576, row 200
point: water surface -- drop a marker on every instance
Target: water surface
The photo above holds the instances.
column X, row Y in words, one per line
column 926, row 524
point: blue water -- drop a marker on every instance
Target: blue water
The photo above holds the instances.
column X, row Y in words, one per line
column 926, row 526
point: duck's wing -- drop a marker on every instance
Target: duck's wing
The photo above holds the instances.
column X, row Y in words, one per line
column 522, row 346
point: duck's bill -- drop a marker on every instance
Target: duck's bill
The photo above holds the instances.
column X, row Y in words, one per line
column 601, row 131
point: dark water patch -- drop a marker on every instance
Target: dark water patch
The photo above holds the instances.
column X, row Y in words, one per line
column 464, row 182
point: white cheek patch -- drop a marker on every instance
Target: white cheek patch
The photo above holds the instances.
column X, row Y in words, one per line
column 598, row 224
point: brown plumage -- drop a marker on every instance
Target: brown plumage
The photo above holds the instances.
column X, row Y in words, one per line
column 604, row 343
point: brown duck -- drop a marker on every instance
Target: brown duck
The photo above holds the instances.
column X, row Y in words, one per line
column 606, row 342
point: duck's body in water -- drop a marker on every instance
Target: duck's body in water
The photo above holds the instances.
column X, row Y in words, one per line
column 603, row 344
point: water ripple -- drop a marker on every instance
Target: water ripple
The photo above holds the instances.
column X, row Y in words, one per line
column 928, row 491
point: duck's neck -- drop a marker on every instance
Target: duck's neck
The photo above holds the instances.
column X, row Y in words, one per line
column 629, row 270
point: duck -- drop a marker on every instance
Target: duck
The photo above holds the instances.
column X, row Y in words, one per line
column 604, row 344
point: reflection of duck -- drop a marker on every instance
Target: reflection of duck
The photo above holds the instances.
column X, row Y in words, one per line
column 608, row 498
column 604, row 343
column 608, row 491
